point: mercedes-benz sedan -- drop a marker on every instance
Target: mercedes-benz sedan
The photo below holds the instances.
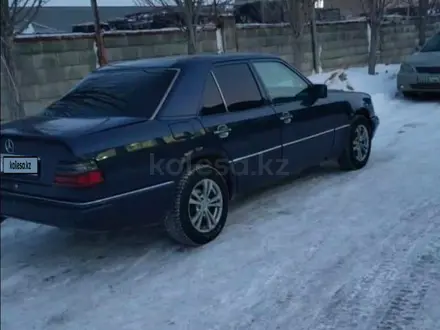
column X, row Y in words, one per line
column 173, row 140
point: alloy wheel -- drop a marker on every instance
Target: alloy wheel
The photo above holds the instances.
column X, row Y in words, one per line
column 205, row 205
column 361, row 143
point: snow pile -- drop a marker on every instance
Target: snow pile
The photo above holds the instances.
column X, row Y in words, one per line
column 357, row 79
column 382, row 86
column 394, row 111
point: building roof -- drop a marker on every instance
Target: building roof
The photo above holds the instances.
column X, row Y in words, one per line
column 61, row 19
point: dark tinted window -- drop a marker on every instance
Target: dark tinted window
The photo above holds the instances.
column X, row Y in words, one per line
column 212, row 100
column 433, row 44
column 121, row 92
column 238, row 87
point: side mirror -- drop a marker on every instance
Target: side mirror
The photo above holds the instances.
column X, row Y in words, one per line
column 319, row 91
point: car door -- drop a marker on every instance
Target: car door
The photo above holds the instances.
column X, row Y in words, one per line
column 243, row 124
column 308, row 132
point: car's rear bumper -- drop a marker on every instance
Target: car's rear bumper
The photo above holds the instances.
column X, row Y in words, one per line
column 139, row 207
column 418, row 83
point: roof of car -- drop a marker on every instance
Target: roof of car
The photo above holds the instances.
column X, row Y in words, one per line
column 183, row 60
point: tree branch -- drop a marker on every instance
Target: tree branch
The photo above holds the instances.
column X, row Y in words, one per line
column 17, row 14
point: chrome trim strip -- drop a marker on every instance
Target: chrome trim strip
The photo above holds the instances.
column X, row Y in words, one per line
column 308, row 137
column 162, row 101
column 220, row 91
column 255, row 154
column 94, row 202
column 289, row 143
column 341, row 127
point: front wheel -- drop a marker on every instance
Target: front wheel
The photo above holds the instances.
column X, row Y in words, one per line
column 200, row 207
column 358, row 148
column 410, row 95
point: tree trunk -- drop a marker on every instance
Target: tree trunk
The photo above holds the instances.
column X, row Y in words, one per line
column 297, row 52
column 11, row 99
column 190, row 12
column 14, row 108
column 263, row 11
column 299, row 15
column 374, row 41
column 423, row 8
column 191, row 38
column 314, row 35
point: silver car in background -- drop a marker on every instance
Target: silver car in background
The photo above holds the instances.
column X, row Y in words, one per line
column 420, row 72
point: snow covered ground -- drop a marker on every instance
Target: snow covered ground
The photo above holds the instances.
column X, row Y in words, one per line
column 328, row 250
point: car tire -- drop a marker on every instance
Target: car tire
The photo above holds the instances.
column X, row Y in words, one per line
column 410, row 95
column 358, row 148
column 182, row 223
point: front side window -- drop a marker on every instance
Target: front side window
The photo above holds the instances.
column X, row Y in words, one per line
column 239, row 87
column 433, row 44
column 281, row 83
column 115, row 92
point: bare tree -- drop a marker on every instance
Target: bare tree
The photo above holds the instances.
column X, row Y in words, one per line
column 190, row 10
column 423, row 12
column 409, row 4
column 375, row 10
column 299, row 13
column 16, row 15
column 434, row 6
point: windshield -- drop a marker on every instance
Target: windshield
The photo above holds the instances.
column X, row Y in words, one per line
column 119, row 92
column 433, row 44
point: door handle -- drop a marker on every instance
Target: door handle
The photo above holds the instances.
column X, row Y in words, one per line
column 286, row 117
column 222, row 131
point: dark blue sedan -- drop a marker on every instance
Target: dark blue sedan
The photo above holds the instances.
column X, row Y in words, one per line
column 173, row 139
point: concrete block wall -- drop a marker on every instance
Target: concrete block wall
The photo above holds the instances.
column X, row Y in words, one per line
column 48, row 66
column 399, row 38
column 343, row 45
column 145, row 44
column 273, row 39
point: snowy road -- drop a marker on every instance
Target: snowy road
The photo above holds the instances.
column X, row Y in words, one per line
column 330, row 250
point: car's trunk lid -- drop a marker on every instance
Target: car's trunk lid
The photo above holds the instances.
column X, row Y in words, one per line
column 42, row 127
column 51, row 140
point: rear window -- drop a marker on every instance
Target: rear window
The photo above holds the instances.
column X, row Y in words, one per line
column 121, row 92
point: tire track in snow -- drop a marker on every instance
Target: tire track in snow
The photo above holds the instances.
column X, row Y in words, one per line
column 353, row 304
column 410, row 292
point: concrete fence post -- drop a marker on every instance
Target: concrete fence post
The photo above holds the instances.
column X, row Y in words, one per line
column 229, row 34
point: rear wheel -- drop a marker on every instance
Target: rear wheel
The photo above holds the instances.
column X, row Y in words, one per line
column 200, row 207
column 357, row 150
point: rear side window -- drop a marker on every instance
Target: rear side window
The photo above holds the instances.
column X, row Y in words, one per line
column 238, row 87
column 120, row 92
column 212, row 100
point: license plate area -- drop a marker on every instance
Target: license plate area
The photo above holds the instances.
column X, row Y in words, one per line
column 19, row 166
column 428, row 79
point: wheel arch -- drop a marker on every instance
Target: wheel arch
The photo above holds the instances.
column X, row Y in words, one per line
column 362, row 111
column 219, row 160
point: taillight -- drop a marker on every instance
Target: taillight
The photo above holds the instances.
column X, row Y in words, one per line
column 79, row 175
